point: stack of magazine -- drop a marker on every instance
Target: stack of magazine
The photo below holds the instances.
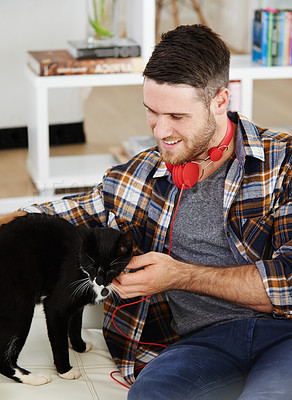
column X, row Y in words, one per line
column 117, row 55
column 109, row 48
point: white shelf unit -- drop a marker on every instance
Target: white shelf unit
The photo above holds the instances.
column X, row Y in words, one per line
column 245, row 70
column 50, row 173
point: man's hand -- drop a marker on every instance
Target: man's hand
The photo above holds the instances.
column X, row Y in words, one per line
column 160, row 272
column 240, row 284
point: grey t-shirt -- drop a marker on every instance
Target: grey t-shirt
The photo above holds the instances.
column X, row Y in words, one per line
column 198, row 237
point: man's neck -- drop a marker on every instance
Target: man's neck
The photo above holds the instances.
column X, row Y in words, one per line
column 207, row 170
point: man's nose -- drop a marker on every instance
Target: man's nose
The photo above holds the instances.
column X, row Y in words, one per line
column 162, row 128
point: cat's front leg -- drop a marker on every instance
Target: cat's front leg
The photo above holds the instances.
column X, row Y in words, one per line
column 75, row 325
column 57, row 324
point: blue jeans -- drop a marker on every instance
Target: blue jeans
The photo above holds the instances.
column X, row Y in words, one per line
column 245, row 360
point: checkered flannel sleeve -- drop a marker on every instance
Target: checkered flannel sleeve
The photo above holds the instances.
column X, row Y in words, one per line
column 86, row 208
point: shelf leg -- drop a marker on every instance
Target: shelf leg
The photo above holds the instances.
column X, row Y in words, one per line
column 38, row 133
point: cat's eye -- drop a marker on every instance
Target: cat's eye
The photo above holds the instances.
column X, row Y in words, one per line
column 92, row 260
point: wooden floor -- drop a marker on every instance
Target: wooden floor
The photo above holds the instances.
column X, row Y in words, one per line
column 272, row 108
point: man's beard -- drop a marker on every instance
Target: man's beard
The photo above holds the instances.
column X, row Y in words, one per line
column 194, row 148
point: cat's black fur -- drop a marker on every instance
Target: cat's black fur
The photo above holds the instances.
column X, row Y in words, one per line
column 46, row 259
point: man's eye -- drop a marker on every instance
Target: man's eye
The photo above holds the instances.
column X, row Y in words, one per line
column 149, row 111
column 176, row 117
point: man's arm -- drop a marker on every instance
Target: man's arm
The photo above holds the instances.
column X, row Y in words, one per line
column 241, row 285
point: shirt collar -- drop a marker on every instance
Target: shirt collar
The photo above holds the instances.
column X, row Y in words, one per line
column 248, row 141
column 161, row 170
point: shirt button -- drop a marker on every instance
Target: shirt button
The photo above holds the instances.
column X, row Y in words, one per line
column 228, row 233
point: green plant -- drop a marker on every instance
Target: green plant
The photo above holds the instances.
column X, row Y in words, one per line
column 100, row 22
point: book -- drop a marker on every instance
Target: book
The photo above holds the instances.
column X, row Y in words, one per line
column 256, row 36
column 60, row 62
column 281, row 37
column 270, row 37
column 290, row 39
column 109, row 48
column 286, row 50
column 260, row 37
column 275, row 38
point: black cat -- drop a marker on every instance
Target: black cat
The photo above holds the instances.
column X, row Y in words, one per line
column 46, row 259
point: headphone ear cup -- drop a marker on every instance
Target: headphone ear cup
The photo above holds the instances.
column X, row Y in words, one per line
column 186, row 175
column 215, row 154
column 190, row 175
column 177, row 175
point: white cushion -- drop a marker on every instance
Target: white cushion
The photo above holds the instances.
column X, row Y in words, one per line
column 95, row 366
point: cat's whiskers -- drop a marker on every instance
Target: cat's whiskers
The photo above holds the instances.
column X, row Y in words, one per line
column 78, row 282
column 116, row 291
column 83, row 286
column 118, row 299
column 115, row 296
column 115, row 261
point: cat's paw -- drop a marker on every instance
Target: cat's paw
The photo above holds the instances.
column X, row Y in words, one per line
column 73, row 373
column 81, row 346
column 89, row 346
column 36, row 379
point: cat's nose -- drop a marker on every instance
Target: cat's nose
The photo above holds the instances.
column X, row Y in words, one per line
column 104, row 292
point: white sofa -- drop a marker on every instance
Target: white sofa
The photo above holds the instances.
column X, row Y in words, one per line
column 95, row 366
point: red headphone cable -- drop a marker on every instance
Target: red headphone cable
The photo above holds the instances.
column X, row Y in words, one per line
column 140, row 301
column 214, row 155
column 174, row 215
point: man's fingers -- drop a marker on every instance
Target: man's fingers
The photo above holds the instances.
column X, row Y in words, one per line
column 142, row 261
column 133, row 278
column 127, row 292
column 136, row 262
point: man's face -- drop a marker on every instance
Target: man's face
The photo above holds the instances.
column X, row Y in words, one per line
column 180, row 122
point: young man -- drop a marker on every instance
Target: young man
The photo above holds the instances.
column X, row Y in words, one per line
column 214, row 237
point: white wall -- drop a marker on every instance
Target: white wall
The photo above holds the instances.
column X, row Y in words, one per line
column 276, row 3
column 232, row 19
column 36, row 25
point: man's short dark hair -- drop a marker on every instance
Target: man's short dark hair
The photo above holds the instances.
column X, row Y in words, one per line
column 192, row 55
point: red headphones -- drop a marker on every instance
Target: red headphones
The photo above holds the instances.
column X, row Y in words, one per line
column 186, row 175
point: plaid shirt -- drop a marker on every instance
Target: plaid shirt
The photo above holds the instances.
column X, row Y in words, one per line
column 140, row 195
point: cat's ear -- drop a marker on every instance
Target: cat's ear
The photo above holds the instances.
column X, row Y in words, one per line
column 126, row 242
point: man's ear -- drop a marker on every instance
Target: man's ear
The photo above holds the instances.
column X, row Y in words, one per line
column 220, row 101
